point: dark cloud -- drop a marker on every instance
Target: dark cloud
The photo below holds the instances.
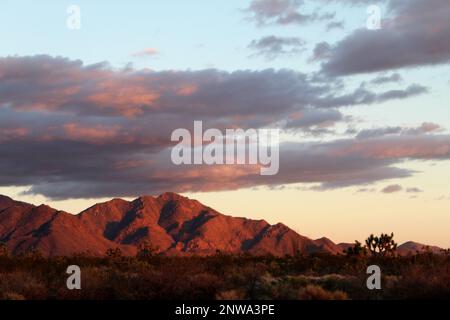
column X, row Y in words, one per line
column 416, row 35
column 322, row 51
column 392, row 188
column 66, row 88
column 71, row 130
column 67, row 169
column 283, row 12
column 272, row 47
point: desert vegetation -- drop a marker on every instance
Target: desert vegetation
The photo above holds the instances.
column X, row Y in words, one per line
column 149, row 275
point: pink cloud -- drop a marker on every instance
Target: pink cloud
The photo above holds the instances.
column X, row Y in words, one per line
column 147, row 52
column 13, row 133
column 96, row 134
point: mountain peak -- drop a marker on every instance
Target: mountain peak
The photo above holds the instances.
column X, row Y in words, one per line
column 170, row 196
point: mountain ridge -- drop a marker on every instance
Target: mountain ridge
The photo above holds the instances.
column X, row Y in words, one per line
column 170, row 223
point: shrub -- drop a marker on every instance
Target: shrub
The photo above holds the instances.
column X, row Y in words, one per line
column 312, row 292
column 21, row 284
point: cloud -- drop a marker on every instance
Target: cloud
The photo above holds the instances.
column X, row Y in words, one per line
column 414, row 190
column 147, row 52
column 272, row 47
column 71, row 130
column 365, row 190
column 335, row 25
column 283, row 12
column 353, row 2
column 395, row 77
column 392, row 188
column 314, row 117
column 378, row 132
column 426, row 127
column 416, row 35
column 322, row 51
column 424, row 147
column 59, row 85
column 7, row 134
column 94, row 134
column 65, row 168
column 363, row 96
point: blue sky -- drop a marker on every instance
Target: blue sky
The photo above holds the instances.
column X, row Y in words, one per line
column 190, row 35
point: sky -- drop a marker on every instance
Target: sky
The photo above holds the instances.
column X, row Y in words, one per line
column 90, row 92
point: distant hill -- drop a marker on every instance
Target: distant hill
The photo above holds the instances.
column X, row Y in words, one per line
column 411, row 247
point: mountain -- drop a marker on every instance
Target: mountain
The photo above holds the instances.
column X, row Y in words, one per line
column 411, row 248
column 170, row 223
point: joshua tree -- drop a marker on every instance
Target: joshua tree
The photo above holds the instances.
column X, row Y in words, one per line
column 356, row 250
column 381, row 246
